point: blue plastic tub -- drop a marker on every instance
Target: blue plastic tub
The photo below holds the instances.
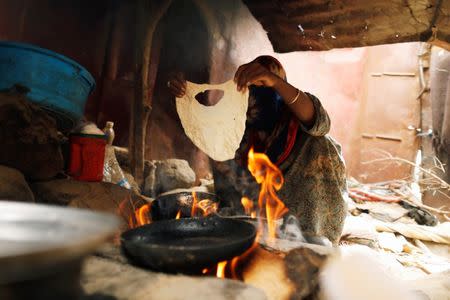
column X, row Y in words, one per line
column 56, row 82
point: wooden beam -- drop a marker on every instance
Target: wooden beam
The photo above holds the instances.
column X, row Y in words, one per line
column 148, row 14
column 155, row 52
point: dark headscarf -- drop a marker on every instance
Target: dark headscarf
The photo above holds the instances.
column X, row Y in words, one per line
column 265, row 104
column 267, row 116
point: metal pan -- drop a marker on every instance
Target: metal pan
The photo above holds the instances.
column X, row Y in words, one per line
column 167, row 206
column 187, row 245
column 42, row 248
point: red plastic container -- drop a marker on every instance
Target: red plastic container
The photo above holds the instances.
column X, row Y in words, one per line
column 87, row 157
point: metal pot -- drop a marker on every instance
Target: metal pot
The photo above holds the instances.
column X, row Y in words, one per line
column 166, row 206
column 42, row 248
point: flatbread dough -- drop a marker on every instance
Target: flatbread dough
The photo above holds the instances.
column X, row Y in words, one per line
column 216, row 130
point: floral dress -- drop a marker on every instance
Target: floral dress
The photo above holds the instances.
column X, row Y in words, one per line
column 311, row 162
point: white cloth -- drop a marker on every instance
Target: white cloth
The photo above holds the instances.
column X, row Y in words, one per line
column 216, row 130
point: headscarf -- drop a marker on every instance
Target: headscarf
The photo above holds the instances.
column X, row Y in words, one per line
column 265, row 104
column 267, row 116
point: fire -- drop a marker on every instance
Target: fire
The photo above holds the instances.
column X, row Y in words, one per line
column 142, row 215
column 194, row 204
column 271, row 180
column 248, row 207
column 208, row 207
column 270, row 208
column 205, row 207
column 221, row 269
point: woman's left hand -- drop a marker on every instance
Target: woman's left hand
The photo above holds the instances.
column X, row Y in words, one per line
column 256, row 74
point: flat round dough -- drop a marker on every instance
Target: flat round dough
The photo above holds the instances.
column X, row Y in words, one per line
column 216, row 130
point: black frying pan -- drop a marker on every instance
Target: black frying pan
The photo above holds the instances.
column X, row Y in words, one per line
column 187, row 245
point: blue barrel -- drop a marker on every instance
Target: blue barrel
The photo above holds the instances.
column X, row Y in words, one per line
column 56, row 82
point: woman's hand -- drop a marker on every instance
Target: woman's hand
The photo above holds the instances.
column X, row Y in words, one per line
column 177, row 84
column 256, row 74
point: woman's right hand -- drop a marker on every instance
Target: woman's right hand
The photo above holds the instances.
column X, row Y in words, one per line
column 177, row 84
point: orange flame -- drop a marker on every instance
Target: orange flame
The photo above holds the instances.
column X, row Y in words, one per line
column 221, row 269
column 270, row 206
column 142, row 215
column 271, row 180
column 194, row 204
column 134, row 217
column 248, row 207
column 208, row 207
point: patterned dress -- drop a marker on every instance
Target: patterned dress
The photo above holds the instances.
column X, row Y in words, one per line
column 310, row 160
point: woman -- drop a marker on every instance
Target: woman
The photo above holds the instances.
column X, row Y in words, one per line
column 291, row 127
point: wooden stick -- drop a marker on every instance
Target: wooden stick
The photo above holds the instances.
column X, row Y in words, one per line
column 148, row 14
column 155, row 52
column 392, row 158
column 406, row 74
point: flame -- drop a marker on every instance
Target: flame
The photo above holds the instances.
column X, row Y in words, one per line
column 142, row 215
column 221, row 269
column 271, row 180
column 208, row 207
column 204, row 271
column 194, row 204
column 134, row 217
column 205, row 206
column 248, row 207
column 271, row 208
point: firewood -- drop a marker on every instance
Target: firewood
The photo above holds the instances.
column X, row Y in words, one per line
column 294, row 275
column 267, row 271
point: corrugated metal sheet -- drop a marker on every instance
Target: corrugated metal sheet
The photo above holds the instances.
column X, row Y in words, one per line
column 294, row 25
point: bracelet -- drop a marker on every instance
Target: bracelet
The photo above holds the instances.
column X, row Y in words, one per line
column 296, row 98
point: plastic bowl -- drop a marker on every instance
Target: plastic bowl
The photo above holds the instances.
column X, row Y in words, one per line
column 56, row 82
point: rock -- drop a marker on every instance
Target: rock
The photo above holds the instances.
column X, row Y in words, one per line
column 100, row 196
column 129, row 282
column 166, row 175
column 303, row 266
column 123, row 157
column 174, row 174
column 13, row 186
column 29, row 138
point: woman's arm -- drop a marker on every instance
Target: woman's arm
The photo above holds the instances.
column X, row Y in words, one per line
column 299, row 103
